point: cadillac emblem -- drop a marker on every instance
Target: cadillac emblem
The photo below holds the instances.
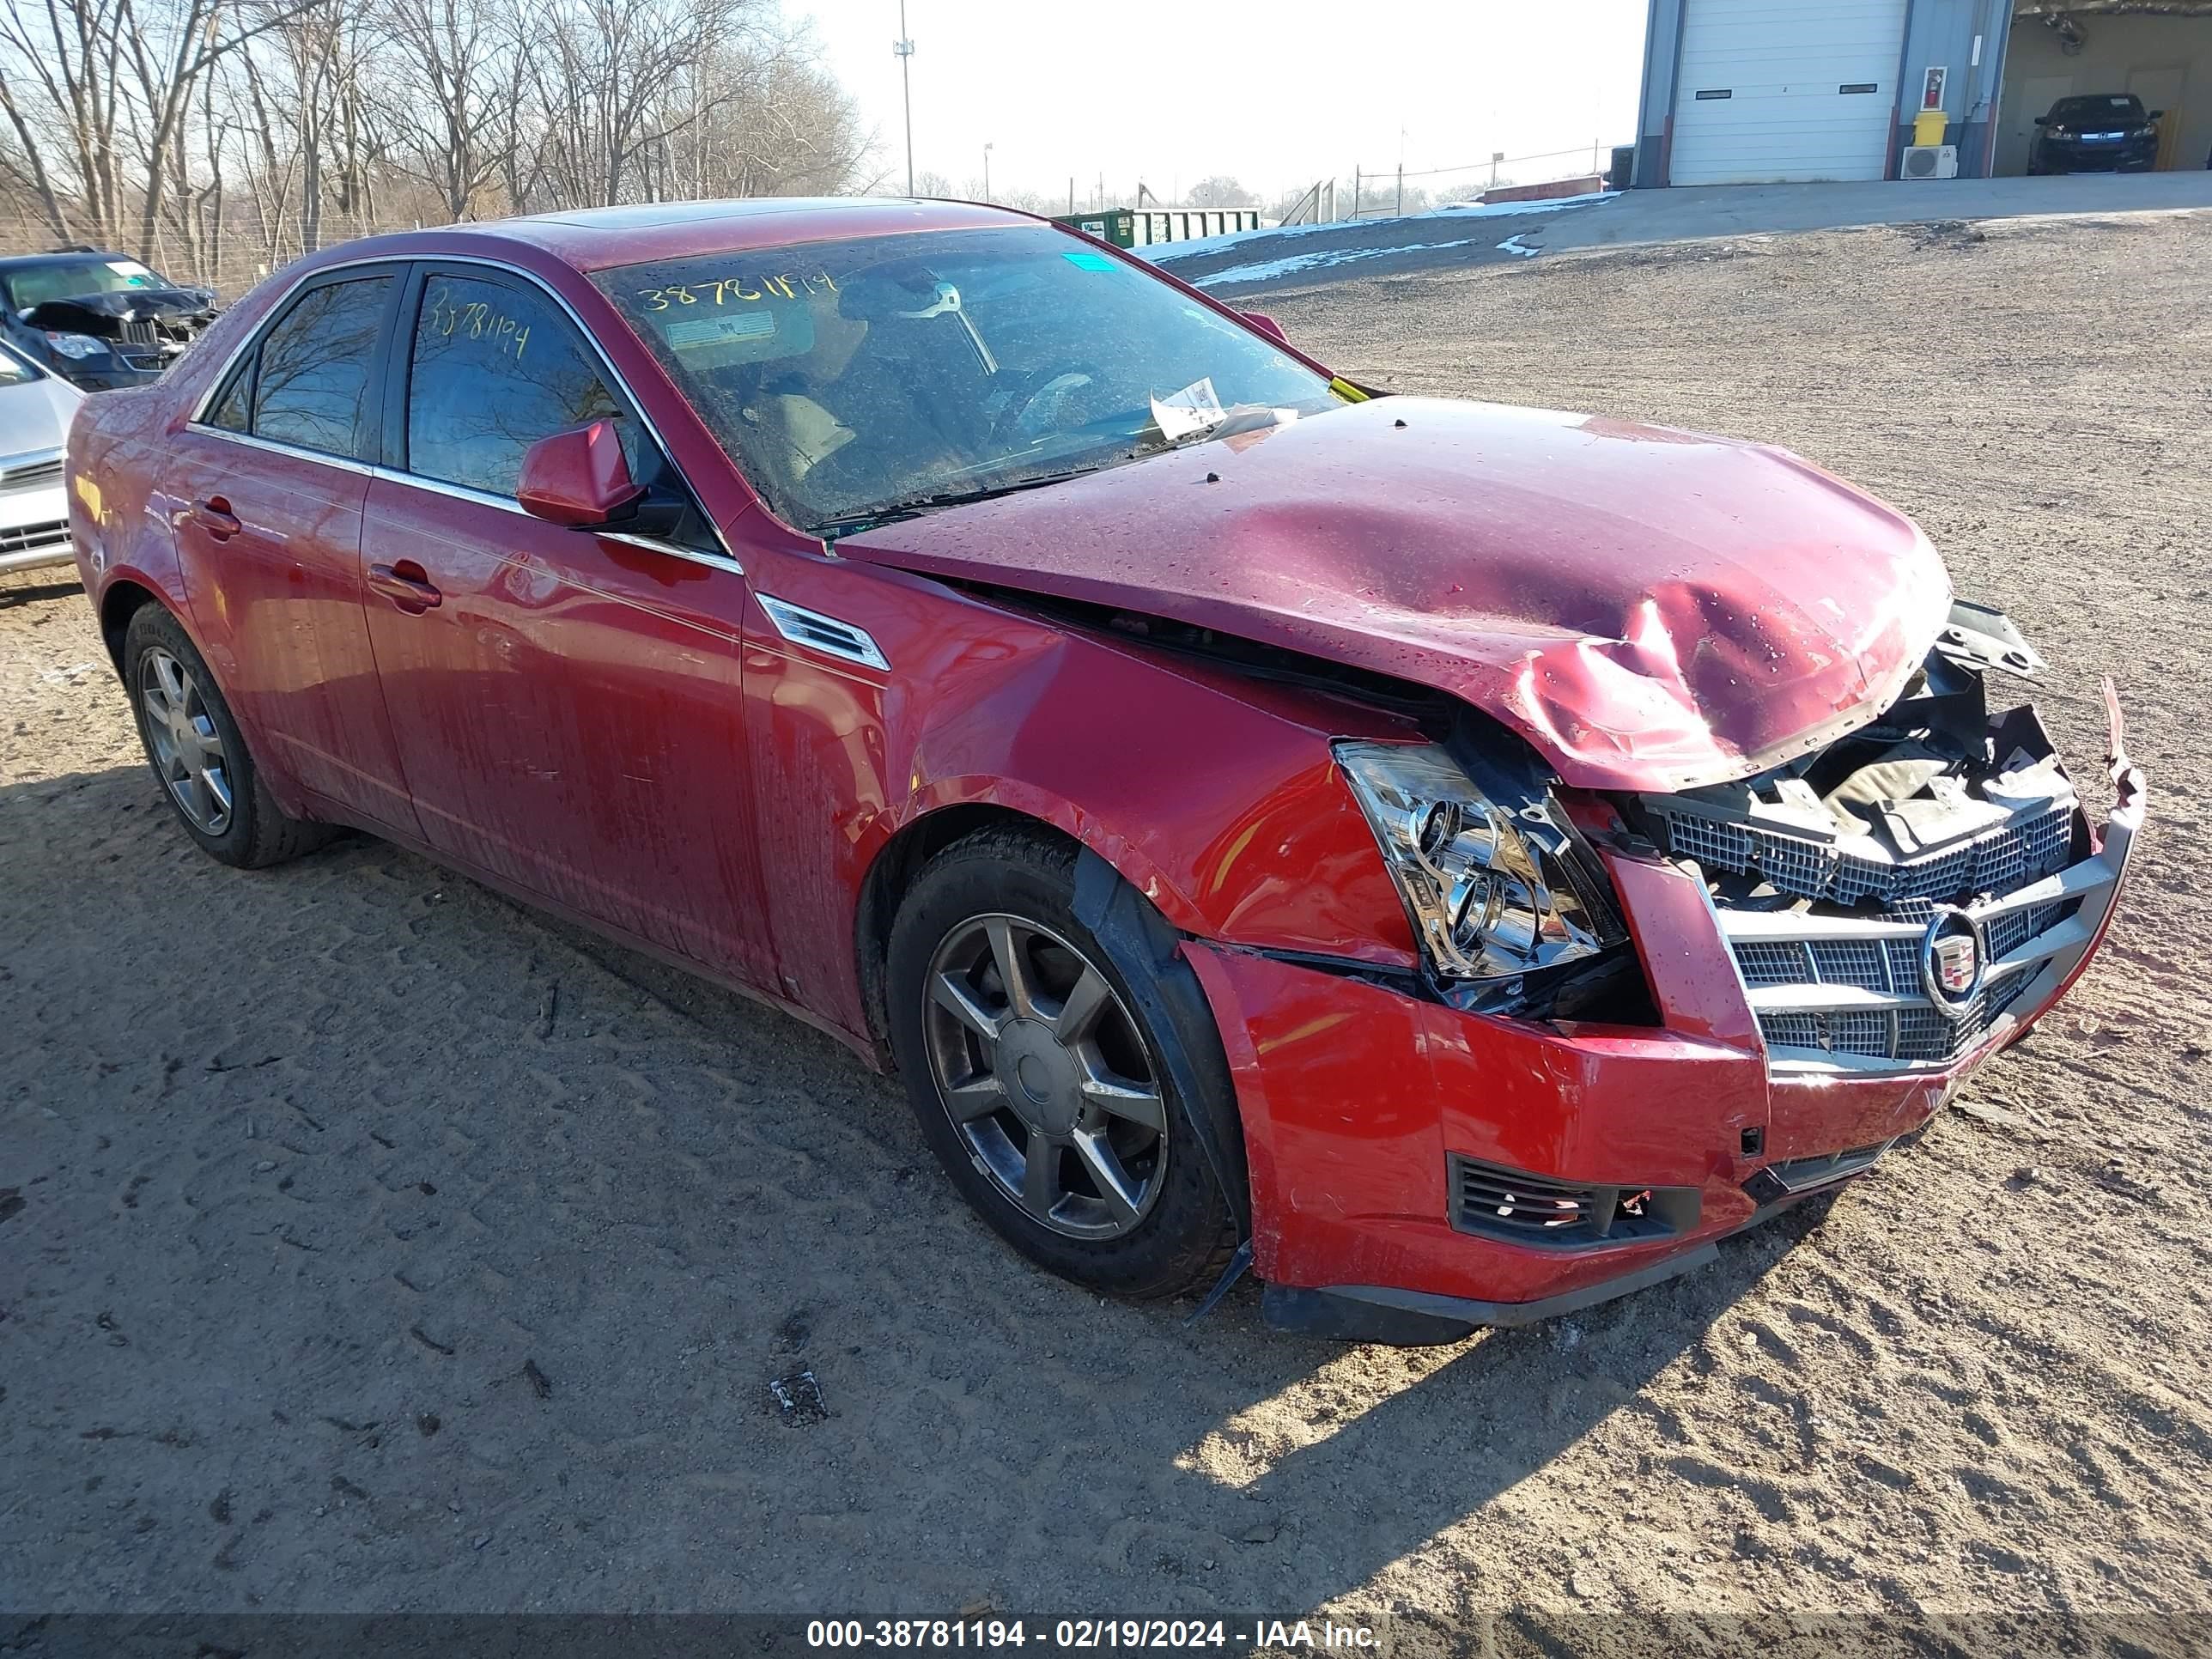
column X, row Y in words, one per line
column 1953, row 957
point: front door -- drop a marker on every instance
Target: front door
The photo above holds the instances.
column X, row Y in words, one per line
column 566, row 702
column 267, row 490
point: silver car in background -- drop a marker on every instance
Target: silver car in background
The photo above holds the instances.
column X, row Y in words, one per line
column 36, row 408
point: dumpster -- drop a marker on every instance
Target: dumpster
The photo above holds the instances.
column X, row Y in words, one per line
column 1114, row 225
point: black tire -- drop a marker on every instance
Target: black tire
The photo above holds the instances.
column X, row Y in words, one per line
column 1186, row 1236
column 255, row 832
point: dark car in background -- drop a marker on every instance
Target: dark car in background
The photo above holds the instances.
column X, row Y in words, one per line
column 102, row 320
column 2109, row 132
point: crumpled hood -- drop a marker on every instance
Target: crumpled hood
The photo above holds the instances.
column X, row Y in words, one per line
column 1653, row 610
column 102, row 314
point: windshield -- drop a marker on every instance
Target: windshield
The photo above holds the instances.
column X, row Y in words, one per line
column 855, row 381
column 2116, row 110
column 34, row 285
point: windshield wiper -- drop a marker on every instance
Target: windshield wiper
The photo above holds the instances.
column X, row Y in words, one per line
column 911, row 507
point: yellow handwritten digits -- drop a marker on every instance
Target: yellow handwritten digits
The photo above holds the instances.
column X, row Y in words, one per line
column 787, row 285
column 479, row 321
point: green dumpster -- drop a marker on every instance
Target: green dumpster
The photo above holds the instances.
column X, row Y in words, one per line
column 1114, row 225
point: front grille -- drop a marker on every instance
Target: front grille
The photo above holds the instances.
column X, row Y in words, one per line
column 26, row 536
column 1546, row 1213
column 2009, row 855
column 32, row 475
column 137, row 332
column 1920, row 1036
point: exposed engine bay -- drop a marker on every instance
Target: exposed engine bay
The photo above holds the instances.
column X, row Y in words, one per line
column 151, row 326
column 1890, row 899
column 1936, row 801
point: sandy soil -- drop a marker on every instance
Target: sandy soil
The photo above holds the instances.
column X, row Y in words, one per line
column 366, row 1243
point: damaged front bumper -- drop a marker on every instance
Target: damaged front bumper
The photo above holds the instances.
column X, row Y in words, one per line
column 1418, row 1171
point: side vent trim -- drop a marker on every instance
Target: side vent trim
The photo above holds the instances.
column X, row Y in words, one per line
column 824, row 634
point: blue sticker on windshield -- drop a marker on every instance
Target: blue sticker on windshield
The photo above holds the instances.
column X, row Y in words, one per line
column 1089, row 261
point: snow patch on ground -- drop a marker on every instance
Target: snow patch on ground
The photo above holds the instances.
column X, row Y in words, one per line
column 1230, row 239
column 1169, row 252
column 1508, row 210
column 1266, row 271
column 1515, row 245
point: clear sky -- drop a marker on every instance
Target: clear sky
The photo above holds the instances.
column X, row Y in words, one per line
column 1276, row 94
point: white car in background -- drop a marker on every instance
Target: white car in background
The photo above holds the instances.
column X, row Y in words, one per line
column 36, row 408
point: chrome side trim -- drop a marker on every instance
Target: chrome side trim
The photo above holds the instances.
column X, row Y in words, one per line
column 197, row 421
column 824, row 634
column 297, row 452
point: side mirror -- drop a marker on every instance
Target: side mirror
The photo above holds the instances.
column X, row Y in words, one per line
column 2156, row 115
column 578, row 479
column 2043, row 120
column 1267, row 326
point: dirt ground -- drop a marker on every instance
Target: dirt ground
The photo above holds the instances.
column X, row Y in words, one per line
column 367, row 1244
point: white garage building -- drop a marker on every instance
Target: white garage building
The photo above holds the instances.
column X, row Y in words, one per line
column 1781, row 91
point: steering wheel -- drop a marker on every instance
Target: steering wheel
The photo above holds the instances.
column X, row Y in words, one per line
column 1055, row 379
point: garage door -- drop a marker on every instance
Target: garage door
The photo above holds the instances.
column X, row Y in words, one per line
column 1775, row 91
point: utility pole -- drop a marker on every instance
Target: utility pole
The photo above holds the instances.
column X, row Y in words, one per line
column 1401, row 190
column 987, row 172
column 903, row 49
column 1355, row 190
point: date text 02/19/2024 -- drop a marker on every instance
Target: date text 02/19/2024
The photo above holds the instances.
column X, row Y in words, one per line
column 1089, row 1635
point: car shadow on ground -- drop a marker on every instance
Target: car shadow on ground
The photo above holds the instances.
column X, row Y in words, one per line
column 453, row 1252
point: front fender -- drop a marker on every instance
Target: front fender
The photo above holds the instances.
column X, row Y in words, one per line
column 1215, row 796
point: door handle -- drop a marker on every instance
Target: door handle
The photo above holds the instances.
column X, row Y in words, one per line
column 407, row 585
column 214, row 515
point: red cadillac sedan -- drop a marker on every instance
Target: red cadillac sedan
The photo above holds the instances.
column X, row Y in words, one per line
column 1459, row 860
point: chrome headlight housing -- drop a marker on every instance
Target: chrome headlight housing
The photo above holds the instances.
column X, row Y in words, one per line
column 79, row 346
column 1493, row 882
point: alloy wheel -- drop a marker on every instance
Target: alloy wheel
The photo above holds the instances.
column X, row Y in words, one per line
column 1045, row 1077
column 188, row 752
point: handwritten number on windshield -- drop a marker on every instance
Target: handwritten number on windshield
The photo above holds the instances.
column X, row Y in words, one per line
column 721, row 290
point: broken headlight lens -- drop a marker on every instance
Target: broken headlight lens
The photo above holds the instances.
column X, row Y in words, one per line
column 1494, row 887
column 77, row 345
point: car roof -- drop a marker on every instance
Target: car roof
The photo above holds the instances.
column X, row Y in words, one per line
column 596, row 239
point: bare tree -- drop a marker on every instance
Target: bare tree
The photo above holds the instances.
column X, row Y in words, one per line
column 1220, row 191
column 236, row 134
column 453, row 94
column 96, row 92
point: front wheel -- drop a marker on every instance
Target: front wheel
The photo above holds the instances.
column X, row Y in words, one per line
column 1042, row 1090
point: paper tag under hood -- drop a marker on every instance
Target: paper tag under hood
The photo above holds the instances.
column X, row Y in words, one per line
column 1653, row 610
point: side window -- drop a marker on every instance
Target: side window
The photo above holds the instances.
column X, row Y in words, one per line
column 234, row 412
column 493, row 369
column 312, row 387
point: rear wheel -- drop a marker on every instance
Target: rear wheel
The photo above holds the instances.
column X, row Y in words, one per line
column 1041, row 1089
column 197, row 753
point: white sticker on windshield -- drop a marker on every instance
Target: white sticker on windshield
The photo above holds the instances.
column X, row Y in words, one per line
column 128, row 268
column 1196, row 407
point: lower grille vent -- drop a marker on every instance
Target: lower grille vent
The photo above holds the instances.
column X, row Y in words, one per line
column 24, row 538
column 1548, row 1214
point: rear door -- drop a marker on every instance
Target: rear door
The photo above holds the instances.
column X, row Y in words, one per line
column 566, row 702
column 266, row 487
column 1779, row 91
